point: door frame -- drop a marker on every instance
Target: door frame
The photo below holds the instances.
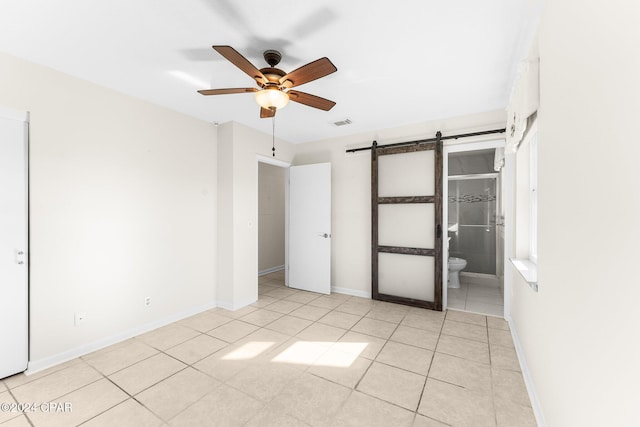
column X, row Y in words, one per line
column 281, row 164
column 459, row 148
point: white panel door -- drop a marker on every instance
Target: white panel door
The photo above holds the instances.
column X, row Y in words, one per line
column 310, row 227
column 13, row 244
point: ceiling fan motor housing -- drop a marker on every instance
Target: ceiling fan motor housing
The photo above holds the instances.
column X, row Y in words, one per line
column 273, row 75
column 272, row 57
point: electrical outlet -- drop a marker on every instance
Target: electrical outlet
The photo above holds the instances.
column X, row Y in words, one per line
column 79, row 318
column 147, row 301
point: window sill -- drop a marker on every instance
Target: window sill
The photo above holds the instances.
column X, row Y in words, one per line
column 528, row 270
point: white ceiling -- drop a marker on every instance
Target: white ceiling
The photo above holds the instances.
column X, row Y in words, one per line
column 399, row 62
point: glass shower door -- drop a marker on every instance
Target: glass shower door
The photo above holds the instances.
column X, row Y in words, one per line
column 472, row 222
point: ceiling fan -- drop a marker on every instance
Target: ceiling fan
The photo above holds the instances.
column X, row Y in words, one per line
column 275, row 85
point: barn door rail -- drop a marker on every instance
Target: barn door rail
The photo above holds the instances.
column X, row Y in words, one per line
column 428, row 140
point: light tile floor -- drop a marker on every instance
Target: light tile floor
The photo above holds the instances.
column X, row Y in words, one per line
column 293, row 358
column 477, row 296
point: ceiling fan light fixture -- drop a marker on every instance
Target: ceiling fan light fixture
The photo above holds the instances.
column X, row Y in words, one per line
column 272, row 98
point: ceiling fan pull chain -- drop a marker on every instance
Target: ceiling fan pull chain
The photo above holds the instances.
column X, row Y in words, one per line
column 273, row 136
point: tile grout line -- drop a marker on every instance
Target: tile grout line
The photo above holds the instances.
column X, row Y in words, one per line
column 161, row 351
column 493, row 401
column 306, row 368
column 131, row 396
column 374, row 359
column 24, row 413
column 87, row 385
column 387, row 340
column 433, row 355
column 190, row 365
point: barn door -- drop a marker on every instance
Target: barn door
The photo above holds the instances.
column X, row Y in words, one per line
column 406, row 221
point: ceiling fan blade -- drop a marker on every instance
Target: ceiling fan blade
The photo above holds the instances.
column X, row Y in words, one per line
column 312, row 71
column 311, row 100
column 227, row 91
column 241, row 62
column 265, row 113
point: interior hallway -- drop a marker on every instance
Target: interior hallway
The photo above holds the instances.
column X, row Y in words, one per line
column 293, row 358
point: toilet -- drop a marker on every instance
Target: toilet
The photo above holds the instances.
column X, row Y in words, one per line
column 456, row 265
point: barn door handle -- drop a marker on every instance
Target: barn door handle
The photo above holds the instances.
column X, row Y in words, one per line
column 438, row 231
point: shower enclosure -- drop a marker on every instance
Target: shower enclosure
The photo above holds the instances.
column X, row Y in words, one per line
column 472, row 221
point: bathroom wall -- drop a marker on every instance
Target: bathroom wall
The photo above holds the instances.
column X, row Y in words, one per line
column 471, row 162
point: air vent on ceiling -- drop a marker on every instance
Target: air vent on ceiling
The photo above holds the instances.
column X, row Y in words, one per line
column 342, row 122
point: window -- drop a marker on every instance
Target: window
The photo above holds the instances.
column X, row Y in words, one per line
column 526, row 207
column 533, row 195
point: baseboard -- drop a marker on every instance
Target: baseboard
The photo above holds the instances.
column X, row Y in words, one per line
column 270, row 270
column 533, row 396
column 352, row 292
column 39, row 365
column 227, row 305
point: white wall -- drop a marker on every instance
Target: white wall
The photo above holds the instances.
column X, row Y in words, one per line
column 123, row 206
column 579, row 333
column 271, row 202
column 225, row 214
column 351, row 193
column 238, row 263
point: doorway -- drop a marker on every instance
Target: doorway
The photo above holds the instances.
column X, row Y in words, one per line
column 294, row 237
column 272, row 219
column 475, row 234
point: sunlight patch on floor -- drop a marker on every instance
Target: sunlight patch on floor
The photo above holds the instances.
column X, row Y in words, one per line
column 249, row 350
column 342, row 355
